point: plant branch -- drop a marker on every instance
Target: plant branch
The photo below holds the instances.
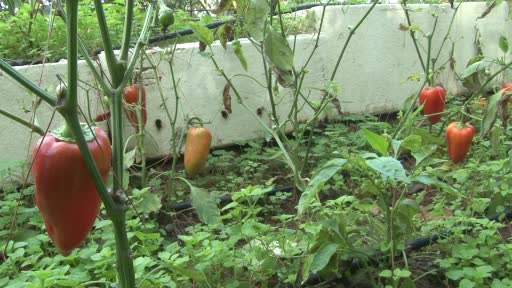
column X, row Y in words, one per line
column 351, row 33
column 28, row 84
column 33, row 128
column 110, row 57
column 127, row 30
column 413, row 36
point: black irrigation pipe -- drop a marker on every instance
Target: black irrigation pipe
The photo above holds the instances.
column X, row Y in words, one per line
column 171, row 35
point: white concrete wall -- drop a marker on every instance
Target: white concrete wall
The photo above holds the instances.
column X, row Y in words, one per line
column 372, row 75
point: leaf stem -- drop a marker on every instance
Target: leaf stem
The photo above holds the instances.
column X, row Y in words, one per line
column 32, row 127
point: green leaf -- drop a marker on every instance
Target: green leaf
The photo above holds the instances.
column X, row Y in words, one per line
column 322, row 257
column 475, row 67
column 388, row 167
column 278, row 51
column 202, row 33
column 237, row 48
column 454, row 274
column 466, row 283
column 386, row 273
column 150, row 202
column 378, row 142
column 317, row 182
column 427, row 180
column 491, row 114
column 424, row 152
column 412, row 143
column 401, row 273
column 503, row 43
column 206, row 206
column 255, row 17
column 129, row 158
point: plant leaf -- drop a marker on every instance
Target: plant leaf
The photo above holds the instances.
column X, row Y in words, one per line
column 412, row 143
column 317, row 182
column 237, row 48
column 424, row 152
column 202, row 33
column 277, row 50
column 428, row 180
column 255, row 17
column 323, row 256
column 378, row 142
column 503, row 43
column 475, row 67
column 206, row 206
column 491, row 113
column 388, row 167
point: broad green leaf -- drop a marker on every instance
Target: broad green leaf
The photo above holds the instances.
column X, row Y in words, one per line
column 318, row 181
column 466, row 283
column 388, row 167
column 424, row 152
column 129, row 158
column 278, row 51
column 221, row 34
column 386, row 273
column 150, row 202
column 412, row 143
column 426, row 137
column 237, row 48
column 401, row 273
column 323, row 256
column 255, row 18
column 475, row 67
column 455, row 274
column 206, row 206
column 202, row 33
column 405, row 212
column 378, row 142
column 491, row 113
column 503, row 43
column 428, row 180
column 395, row 146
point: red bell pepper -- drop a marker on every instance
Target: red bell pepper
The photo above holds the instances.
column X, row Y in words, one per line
column 459, row 138
column 64, row 190
column 433, row 100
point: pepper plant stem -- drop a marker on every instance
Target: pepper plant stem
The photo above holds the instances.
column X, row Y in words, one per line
column 69, row 110
column 32, row 127
column 28, row 84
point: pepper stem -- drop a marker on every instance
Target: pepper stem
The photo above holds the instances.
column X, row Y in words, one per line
column 66, row 131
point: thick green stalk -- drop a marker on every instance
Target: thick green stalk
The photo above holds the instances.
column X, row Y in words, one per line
column 115, row 211
column 127, row 30
column 112, row 62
